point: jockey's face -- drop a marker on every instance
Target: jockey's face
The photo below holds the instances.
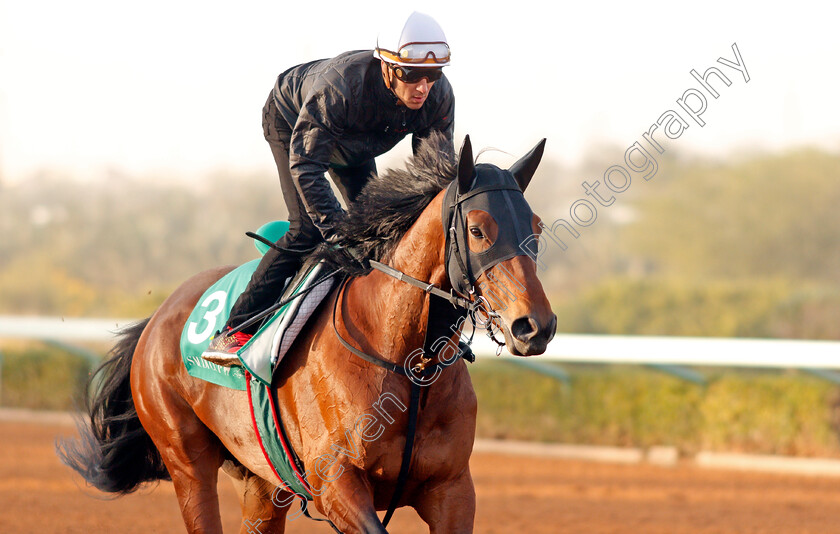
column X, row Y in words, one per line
column 410, row 95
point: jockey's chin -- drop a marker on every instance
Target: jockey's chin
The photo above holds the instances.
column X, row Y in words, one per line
column 412, row 95
column 416, row 103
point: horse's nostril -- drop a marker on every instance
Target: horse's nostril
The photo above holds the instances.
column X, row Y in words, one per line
column 524, row 328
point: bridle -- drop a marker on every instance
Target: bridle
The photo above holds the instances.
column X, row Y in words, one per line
column 463, row 266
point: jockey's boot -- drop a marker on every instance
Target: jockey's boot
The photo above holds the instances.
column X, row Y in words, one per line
column 224, row 346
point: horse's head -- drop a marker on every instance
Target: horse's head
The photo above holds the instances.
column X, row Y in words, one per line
column 488, row 221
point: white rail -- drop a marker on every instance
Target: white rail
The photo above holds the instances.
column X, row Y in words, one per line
column 689, row 351
column 60, row 328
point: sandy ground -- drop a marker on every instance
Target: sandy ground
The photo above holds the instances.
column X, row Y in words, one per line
column 515, row 494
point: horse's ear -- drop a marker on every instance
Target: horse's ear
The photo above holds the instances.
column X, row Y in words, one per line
column 524, row 169
column 466, row 166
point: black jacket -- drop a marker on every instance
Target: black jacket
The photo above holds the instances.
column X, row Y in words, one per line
column 339, row 113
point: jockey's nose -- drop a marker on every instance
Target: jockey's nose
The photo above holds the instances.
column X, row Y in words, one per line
column 423, row 85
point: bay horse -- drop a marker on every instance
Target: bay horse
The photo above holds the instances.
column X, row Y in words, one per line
column 150, row 420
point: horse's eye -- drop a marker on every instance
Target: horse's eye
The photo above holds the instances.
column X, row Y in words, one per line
column 476, row 232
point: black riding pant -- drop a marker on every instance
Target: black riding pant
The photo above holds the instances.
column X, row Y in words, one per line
column 266, row 283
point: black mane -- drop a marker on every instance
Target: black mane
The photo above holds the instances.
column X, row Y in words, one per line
column 391, row 202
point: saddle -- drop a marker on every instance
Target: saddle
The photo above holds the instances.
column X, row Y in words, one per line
column 264, row 352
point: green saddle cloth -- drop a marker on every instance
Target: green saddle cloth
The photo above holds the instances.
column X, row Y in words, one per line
column 209, row 316
column 261, row 354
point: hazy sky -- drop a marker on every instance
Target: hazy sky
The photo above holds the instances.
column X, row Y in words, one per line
column 177, row 86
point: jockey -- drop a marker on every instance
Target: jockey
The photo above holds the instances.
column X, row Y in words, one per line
column 335, row 116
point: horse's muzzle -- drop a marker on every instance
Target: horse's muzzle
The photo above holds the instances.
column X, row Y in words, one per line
column 527, row 337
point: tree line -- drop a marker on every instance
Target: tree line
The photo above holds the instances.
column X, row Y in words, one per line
column 740, row 246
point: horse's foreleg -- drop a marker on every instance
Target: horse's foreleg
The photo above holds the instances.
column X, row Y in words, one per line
column 264, row 506
column 448, row 506
column 348, row 503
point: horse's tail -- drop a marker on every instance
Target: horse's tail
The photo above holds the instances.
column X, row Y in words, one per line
column 114, row 454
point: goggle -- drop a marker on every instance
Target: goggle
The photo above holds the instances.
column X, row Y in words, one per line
column 415, row 74
column 420, row 53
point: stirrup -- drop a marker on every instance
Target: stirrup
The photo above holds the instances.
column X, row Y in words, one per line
column 223, row 348
column 222, row 359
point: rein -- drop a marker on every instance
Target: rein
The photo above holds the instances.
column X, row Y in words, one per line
column 472, row 307
column 430, row 288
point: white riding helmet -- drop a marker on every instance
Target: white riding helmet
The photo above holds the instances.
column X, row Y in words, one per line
column 419, row 42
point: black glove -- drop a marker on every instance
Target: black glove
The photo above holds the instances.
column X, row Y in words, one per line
column 329, row 228
column 331, row 236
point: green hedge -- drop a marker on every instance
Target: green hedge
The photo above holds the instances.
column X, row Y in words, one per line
column 765, row 412
column 659, row 306
column 42, row 378
column 774, row 414
column 737, row 411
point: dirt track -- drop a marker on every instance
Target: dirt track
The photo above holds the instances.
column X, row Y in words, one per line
column 515, row 494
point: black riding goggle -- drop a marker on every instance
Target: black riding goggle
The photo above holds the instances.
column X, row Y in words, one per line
column 415, row 74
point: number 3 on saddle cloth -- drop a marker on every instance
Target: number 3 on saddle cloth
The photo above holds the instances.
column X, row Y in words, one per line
column 266, row 349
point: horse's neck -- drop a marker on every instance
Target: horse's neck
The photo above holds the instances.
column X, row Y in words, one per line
column 393, row 315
